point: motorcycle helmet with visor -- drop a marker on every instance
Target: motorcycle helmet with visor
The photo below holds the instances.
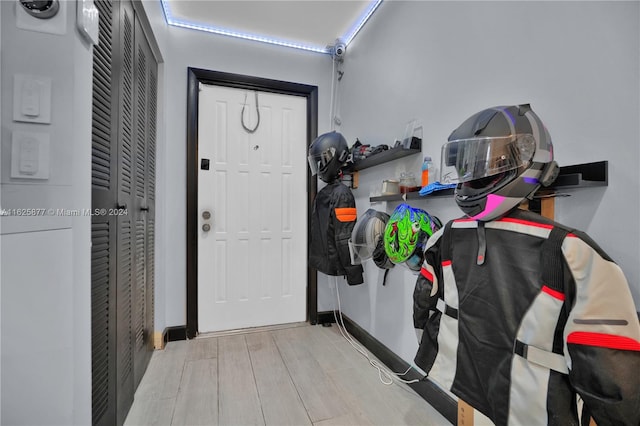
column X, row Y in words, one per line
column 497, row 157
column 366, row 234
column 327, row 154
column 478, row 158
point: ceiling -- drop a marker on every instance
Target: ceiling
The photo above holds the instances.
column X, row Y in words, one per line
column 306, row 24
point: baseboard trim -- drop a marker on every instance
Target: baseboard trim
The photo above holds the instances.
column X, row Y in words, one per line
column 326, row 317
column 429, row 391
column 173, row 334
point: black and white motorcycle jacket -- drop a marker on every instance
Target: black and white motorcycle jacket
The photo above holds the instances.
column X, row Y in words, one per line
column 332, row 221
column 519, row 316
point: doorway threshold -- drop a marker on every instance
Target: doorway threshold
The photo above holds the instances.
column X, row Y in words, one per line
column 249, row 330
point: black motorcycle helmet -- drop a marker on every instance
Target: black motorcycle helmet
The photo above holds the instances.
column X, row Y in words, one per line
column 498, row 157
column 327, row 154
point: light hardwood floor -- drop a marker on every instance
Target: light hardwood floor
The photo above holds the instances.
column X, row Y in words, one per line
column 299, row 375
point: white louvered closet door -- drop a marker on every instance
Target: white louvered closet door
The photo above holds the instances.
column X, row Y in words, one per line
column 252, row 262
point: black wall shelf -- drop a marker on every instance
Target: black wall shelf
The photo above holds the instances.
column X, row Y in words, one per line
column 586, row 175
column 412, row 196
column 382, row 157
column 582, row 176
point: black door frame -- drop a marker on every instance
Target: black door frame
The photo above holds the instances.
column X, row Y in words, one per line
column 196, row 76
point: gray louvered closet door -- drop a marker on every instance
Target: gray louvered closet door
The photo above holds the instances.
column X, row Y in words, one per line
column 123, row 177
column 103, row 228
column 143, row 201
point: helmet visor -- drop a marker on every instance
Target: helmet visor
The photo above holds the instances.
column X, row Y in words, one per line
column 320, row 160
column 465, row 160
column 365, row 235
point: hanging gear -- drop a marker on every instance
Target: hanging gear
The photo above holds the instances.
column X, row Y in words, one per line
column 520, row 334
column 406, row 233
column 248, row 130
column 380, row 257
column 333, row 218
column 366, row 234
column 367, row 243
column 327, row 154
column 498, row 157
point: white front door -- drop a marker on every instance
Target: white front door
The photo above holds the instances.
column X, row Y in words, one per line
column 252, row 262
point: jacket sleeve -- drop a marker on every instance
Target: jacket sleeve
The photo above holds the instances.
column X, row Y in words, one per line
column 344, row 219
column 602, row 335
column 425, row 294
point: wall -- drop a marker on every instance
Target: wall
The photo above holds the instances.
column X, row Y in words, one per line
column 183, row 48
column 46, row 301
column 46, row 291
column 577, row 63
column 1, row 53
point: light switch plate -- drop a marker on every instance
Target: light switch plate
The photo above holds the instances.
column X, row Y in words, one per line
column 31, row 98
column 30, row 155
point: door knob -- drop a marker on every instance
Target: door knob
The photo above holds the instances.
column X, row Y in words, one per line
column 206, row 227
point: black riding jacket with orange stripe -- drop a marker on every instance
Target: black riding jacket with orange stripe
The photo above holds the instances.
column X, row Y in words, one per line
column 334, row 216
column 520, row 315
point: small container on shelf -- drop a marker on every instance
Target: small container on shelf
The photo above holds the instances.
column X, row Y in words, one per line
column 408, row 183
column 428, row 172
column 390, row 187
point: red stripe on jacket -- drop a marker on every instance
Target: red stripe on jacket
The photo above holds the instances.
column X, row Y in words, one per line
column 428, row 275
column 603, row 340
column 553, row 293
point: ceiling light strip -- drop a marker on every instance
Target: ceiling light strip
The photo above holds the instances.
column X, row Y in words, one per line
column 247, row 36
column 167, row 11
column 363, row 20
